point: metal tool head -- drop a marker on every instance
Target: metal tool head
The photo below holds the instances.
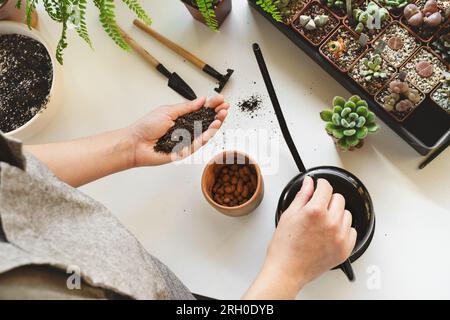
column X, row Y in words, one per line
column 180, row 86
column 222, row 78
column 223, row 81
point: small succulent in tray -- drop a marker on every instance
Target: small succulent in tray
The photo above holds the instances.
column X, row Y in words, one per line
column 373, row 68
column 289, row 8
column 442, row 94
column 371, row 72
column 441, row 45
column 311, row 23
column 370, row 20
column 400, row 44
column 399, row 97
column 315, row 23
column 424, row 70
column 395, row 7
column 337, row 6
column 423, row 18
column 342, row 48
column 349, row 122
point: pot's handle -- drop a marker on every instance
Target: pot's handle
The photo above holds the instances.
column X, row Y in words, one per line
column 346, row 267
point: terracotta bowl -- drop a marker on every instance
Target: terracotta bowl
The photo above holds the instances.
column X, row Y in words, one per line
column 209, row 176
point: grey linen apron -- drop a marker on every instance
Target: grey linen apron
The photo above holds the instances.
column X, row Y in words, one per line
column 50, row 233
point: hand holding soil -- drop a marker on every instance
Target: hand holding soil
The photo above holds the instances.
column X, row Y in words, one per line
column 147, row 132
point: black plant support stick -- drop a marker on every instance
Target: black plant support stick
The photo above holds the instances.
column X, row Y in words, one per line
column 277, row 108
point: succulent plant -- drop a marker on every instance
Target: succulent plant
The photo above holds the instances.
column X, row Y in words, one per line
column 337, row 47
column 349, row 122
column 310, row 23
column 288, row 8
column 429, row 15
column 394, row 4
column 373, row 68
column 442, row 95
column 370, row 18
column 402, row 97
column 335, row 3
column 445, row 88
column 442, row 46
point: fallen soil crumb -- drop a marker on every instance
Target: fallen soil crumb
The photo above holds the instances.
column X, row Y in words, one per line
column 250, row 105
column 187, row 124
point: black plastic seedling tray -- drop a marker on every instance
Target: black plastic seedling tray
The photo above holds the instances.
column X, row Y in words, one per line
column 425, row 129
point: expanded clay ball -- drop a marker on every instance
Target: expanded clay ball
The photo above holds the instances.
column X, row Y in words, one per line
column 235, row 184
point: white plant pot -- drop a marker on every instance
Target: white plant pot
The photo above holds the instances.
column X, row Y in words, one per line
column 43, row 117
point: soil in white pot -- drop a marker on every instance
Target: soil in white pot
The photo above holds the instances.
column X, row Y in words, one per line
column 26, row 76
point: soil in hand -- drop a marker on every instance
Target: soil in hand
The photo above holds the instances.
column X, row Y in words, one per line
column 185, row 130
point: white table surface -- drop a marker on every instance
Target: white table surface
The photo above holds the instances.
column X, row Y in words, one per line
column 164, row 208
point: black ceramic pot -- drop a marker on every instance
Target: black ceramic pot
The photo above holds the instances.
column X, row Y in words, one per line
column 358, row 202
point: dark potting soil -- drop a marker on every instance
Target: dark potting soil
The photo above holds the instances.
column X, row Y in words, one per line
column 26, row 75
column 250, row 105
column 189, row 123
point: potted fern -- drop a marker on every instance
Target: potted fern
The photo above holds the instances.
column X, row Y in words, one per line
column 72, row 13
column 210, row 12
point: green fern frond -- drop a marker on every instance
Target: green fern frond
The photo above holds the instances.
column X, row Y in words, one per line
column 136, row 7
column 53, row 9
column 62, row 43
column 81, row 28
column 108, row 21
column 206, row 8
column 68, row 12
column 269, row 7
column 30, row 6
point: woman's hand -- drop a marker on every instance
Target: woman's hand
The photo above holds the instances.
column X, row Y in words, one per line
column 145, row 132
column 314, row 235
column 87, row 159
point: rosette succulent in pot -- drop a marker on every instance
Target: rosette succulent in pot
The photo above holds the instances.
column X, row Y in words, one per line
column 349, row 122
column 374, row 68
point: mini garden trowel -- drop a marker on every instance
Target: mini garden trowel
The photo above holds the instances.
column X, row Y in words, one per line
column 175, row 81
column 221, row 78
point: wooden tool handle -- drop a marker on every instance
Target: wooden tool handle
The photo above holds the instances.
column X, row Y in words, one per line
column 168, row 43
column 139, row 49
